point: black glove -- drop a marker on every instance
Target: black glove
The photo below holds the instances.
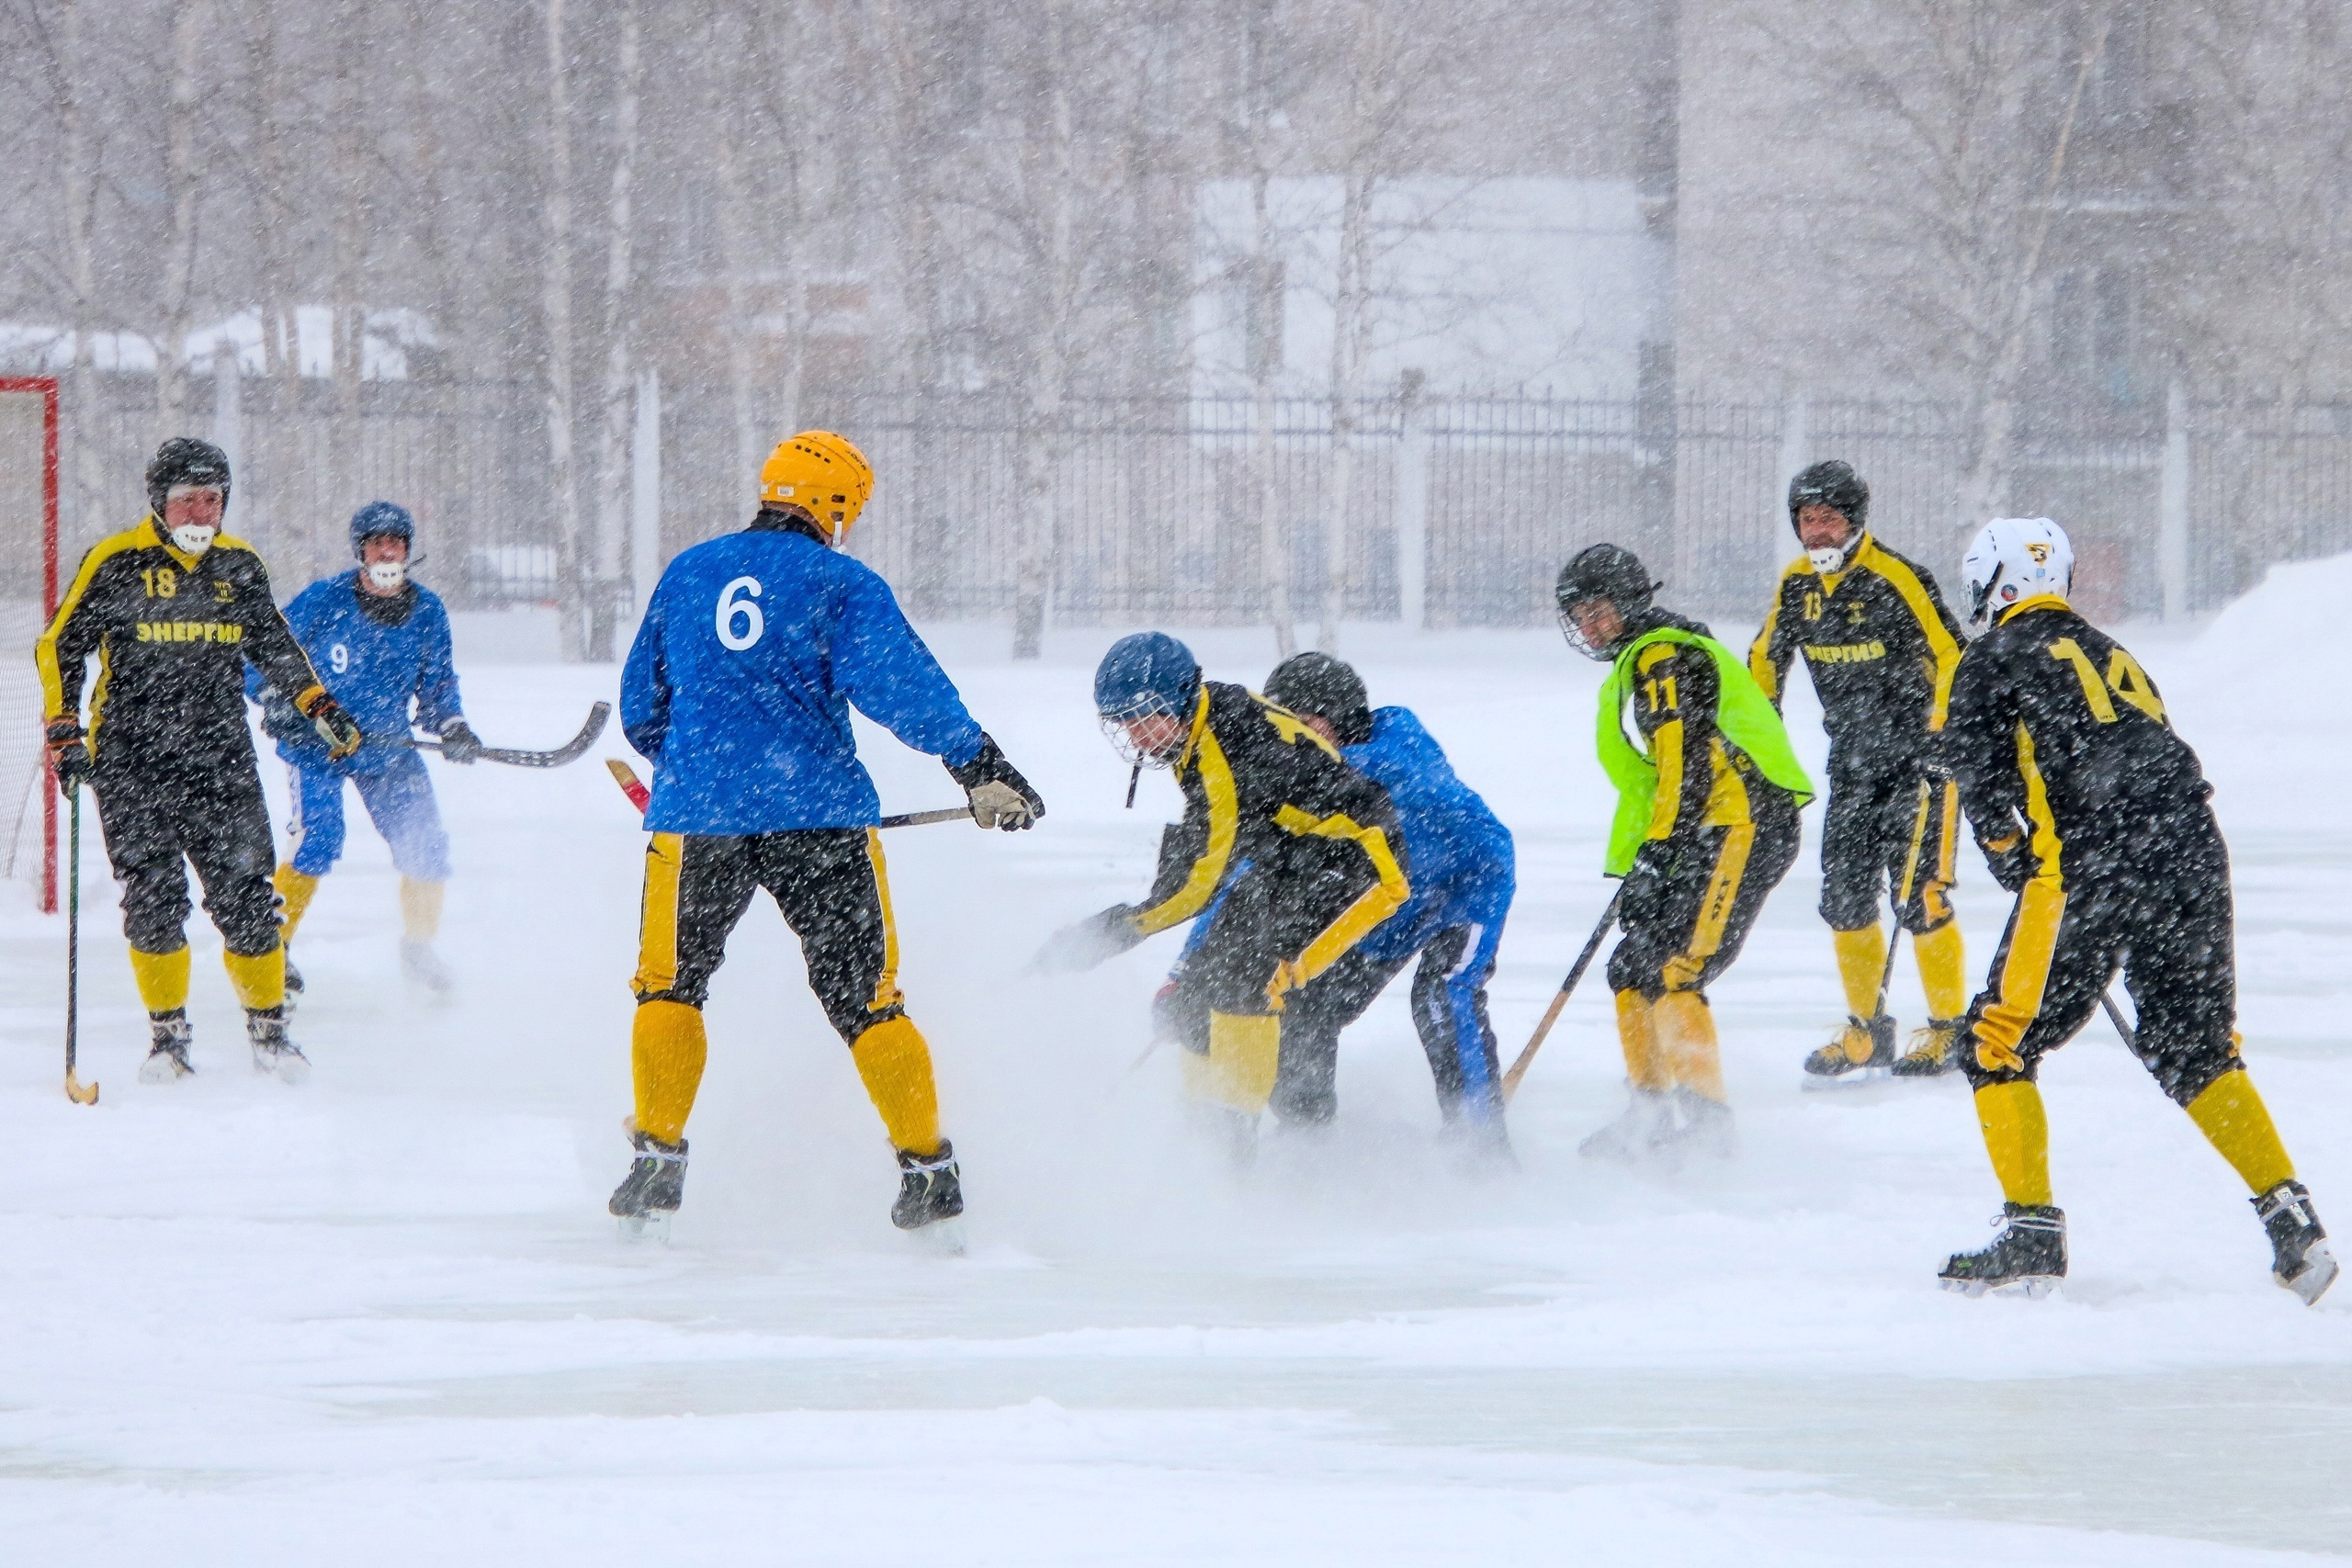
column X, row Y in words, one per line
column 1088, row 942
column 2011, row 858
column 69, row 754
column 459, row 744
column 1000, row 797
column 1649, row 885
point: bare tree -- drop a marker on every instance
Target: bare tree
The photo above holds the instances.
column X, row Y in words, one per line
column 620, row 329
column 556, row 321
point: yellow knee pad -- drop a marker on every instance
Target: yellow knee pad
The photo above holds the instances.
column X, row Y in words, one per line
column 667, row 1050
column 1239, row 1071
column 893, row 1062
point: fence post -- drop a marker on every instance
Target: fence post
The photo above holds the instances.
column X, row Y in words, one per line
column 2172, row 505
column 227, row 405
column 1412, row 504
column 1796, row 434
column 645, row 490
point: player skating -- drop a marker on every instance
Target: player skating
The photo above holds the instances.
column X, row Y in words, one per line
column 380, row 641
column 173, row 610
column 1461, row 873
column 1298, row 849
column 1706, row 825
column 2094, row 814
column 1882, row 647
column 739, row 687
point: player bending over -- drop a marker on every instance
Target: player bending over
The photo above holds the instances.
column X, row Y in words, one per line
column 1461, row 859
column 2094, row 814
column 173, row 610
column 1298, row 849
column 381, row 640
column 1882, row 648
column 1708, row 795
column 739, row 687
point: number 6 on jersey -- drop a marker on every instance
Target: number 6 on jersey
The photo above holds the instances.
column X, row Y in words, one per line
column 731, row 609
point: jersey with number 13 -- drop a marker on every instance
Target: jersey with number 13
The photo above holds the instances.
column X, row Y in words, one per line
column 753, row 649
column 2057, row 734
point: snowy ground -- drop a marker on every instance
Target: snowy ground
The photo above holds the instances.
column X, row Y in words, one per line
column 382, row 1319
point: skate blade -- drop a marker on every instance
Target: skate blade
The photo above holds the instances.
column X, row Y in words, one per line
column 649, row 1228
column 289, row 1070
column 164, row 1070
column 1817, row 1083
column 941, row 1239
column 2031, row 1287
column 2319, row 1270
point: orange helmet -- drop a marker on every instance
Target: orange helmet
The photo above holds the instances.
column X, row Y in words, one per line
column 823, row 474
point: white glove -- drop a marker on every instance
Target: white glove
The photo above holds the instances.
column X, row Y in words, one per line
column 998, row 804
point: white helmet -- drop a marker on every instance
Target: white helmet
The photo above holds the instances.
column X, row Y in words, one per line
column 2013, row 559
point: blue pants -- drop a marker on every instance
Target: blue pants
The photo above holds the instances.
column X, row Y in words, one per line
column 399, row 798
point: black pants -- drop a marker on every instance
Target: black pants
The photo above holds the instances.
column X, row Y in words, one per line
column 2164, row 918
column 835, row 892
column 1866, row 846
column 1265, row 920
column 1306, row 1084
column 161, row 819
column 1716, row 889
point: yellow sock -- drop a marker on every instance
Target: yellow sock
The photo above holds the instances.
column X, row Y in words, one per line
column 1943, row 970
column 421, row 908
column 163, row 978
column 1239, row 1071
column 2231, row 1116
column 667, row 1049
column 296, row 889
column 1862, row 961
column 1686, row 1039
column 2016, row 1135
column 1637, row 1032
column 259, row 979
column 895, row 1063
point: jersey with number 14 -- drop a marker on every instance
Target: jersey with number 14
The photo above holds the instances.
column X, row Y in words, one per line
column 2057, row 734
column 738, row 686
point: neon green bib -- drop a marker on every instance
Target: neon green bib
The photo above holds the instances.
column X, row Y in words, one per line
column 1742, row 715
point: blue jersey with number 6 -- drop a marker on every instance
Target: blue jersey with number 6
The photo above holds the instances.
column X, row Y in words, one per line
column 739, row 683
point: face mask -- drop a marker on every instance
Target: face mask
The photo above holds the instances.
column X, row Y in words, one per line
column 1826, row 561
column 193, row 539
column 388, row 575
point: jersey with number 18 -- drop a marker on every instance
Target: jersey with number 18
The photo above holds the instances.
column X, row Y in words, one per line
column 752, row 651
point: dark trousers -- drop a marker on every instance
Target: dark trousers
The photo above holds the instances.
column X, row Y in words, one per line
column 1449, row 1014
column 2165, row 918
column 835, row 892
column 1866, row 836
column 1681, row 940
column 159, row 819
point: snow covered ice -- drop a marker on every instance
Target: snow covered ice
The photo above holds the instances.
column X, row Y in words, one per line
column 384, row 1319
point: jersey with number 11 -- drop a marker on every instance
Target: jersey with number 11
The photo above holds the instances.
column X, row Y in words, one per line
column 752, row 651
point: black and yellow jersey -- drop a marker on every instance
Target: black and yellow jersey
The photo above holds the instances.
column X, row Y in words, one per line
column 1704, row 779
column 1881, row 647
column 172, row 634
column 1259, row 785
column 2066, row 761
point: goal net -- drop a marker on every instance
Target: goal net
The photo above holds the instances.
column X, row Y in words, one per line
column 29, row 569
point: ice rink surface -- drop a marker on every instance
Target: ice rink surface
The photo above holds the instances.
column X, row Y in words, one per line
column 383, row 1319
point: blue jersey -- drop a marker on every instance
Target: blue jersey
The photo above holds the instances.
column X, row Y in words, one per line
column 1460, row 854
column 376, row 670
column 752, row 651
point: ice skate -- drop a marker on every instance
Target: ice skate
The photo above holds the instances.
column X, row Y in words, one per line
column 1935, row 1050
column 931, row 1198
column 656, row 1183
column 1705, row 1130
column 2300, row 1259
column 1635, row 1133
column 2027, row 1259
column 1862, row 1053
column 167, row 1056
column 424, row 969
column 274, row 1052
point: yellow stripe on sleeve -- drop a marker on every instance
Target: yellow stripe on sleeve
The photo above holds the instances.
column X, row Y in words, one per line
column 1225, row 826
column 1384, row 898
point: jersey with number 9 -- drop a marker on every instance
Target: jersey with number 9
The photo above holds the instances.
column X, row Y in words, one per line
column 752, row 651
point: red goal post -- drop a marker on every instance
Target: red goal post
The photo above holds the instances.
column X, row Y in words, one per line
column 28, row 489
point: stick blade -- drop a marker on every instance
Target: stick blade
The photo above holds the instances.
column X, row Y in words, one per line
column 77, row 1091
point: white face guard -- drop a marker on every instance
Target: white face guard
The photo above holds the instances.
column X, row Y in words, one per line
column 193, row 538
column 388, row 575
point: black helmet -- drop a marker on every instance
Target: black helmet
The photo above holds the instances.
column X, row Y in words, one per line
column 184, row 460
column 1323, row 687
column 1833, row 484
column 1603, row 571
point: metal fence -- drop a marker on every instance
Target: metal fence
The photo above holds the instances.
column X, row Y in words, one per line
column 1461, row 507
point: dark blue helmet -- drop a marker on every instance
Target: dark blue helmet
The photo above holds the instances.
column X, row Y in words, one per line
column 382, row 520
column 1144, row 675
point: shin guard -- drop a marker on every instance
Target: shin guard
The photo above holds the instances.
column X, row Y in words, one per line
column 295, row 889
column 2235, row 1121
column 1943, row 969
column 2017, row 1136
column 259, row 979
column 893, row 1062
column 163, row 979
column 1637, row 1035
column 1239, row 1071
column 667, row 1050
column 421, row 908
column 1862, row 962
column 1686, row 1039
